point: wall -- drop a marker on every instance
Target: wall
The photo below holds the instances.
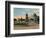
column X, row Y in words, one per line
column 2, row 19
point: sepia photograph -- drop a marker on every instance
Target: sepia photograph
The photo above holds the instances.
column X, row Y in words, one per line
column 26, row 18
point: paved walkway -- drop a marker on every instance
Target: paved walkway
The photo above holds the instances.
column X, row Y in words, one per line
column 28, row 26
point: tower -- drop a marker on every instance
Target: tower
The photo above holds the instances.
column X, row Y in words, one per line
column 26, row 17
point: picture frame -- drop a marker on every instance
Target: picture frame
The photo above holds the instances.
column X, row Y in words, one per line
column 8, row 7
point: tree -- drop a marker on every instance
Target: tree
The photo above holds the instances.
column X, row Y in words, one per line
column 35, row 17
column 15, row 19
column 38, row 19
column 31, row 19
column 21, row 19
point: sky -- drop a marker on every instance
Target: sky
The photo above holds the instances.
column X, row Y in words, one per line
column 23, row 11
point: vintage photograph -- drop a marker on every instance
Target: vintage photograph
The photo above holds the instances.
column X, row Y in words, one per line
column 26, row 18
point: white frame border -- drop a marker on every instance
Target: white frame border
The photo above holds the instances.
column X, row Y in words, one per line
column 12, row 31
